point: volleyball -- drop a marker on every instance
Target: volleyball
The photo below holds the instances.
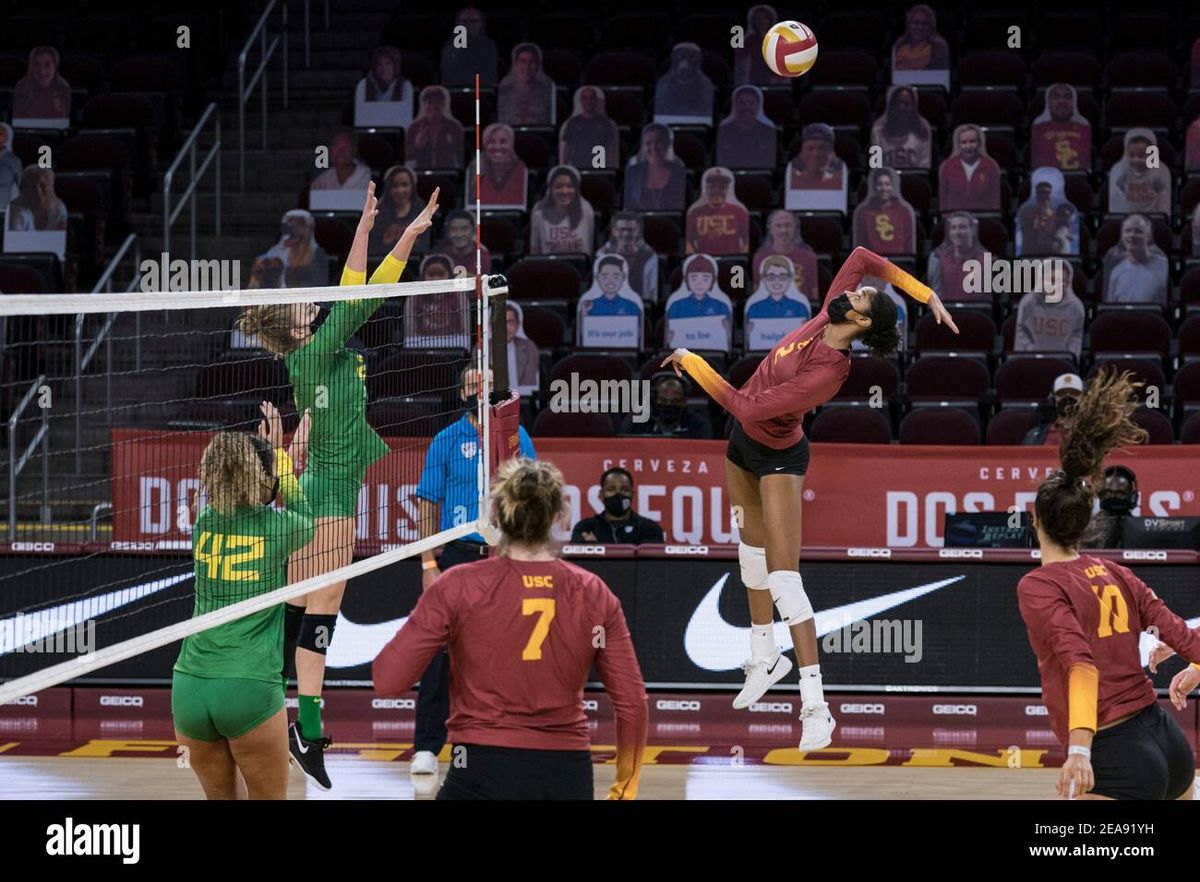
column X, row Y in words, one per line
column 790, row 49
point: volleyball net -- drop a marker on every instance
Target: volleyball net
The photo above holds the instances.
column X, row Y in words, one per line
column 115, row 401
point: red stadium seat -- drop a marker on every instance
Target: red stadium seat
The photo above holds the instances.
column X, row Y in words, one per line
column 1141, row 70
column 987, row 109
column 992, row 69
column 842, row 424
column 1130, row 331
column 592, row 367
column 946, row 377
column 662, row 233
column 619, row 69
column 1157, row 424
column 1010, row 425
column 742, row 369
column 1147, row 371
column 1124, row 110
column 415, row 417
column 1190, row 433
column 537, row 278
column 835, row 108
column 561, row 65
column 334, row 235
column 1189, row 339
column 939, row 425
column 1029, row 377
column 256, row 378
column 625, row 106
column 1077, row 68
column 977, row 333
column 1076, row 31
column 410, row 372
column 553, row 424
column 845, row 67
column 544, row 327
column 1187, row 385
column 868, row 373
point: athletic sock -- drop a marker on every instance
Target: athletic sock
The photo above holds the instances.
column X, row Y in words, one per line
column 309, row 716
column 762, row 641
column 810, row 685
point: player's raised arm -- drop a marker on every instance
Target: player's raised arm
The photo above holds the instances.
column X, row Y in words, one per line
column 864, row 262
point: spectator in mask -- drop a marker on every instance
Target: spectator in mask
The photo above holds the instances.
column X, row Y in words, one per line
column 1068, row 389
column 618, row 523
column 1118, row 499
column 669, row 414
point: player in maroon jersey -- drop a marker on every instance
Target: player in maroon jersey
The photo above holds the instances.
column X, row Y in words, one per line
column 523, row 629
column 767, row 459
column 1085, row 616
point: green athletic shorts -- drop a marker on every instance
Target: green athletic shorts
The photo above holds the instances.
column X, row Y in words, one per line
column 209, row 709
column 331, row 496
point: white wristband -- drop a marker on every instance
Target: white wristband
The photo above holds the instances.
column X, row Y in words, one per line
column 1079, row 750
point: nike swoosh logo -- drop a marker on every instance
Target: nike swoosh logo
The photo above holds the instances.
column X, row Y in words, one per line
column 354, row 644
column 23, row 629
column 299, row 744
column 1148, row 641
column 715, row 645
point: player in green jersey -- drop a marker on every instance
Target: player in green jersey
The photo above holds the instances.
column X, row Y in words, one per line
column 328, row 379
column 226, row 694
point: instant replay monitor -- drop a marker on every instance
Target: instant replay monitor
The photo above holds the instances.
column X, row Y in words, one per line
column 990, row 529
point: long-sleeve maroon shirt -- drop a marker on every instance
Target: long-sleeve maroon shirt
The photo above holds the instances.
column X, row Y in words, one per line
column 522, row 636
column 1087, row 615
column 801, row 372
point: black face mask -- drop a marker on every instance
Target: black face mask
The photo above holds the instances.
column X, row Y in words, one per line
column 617, row 505
column 318, row 319
column 1119, row 505
column 274, row 492
column 668, row 413
column 1065, row 406
column 471, row 403
column 839, row 307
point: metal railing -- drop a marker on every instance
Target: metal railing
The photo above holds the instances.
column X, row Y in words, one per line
column 308, row 33
column 188, row 197
column 16, row 466
column 266, row 50
column 82, row 359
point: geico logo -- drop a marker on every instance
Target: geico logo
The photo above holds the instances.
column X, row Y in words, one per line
column 392, row 704
column 686, row 549
column 26, row 700
column 121, row 701
column 868, row 552
column 590, row 704
column 32, row 546
column 132, row 546
column 1143, row 555
column 852, row 708
column 771, row 707
column 1036, row 710
column 584, row 549
column 676, row 705
column 961, row 552
column 969, row 710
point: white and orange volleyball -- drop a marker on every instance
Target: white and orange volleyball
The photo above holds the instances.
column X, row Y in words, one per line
column 790, row 49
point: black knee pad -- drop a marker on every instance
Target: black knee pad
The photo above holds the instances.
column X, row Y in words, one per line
column 316, row 633
column 293, row 617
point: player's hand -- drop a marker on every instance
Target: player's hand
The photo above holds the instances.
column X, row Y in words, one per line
column 298, row 449
column 675, row 360
column 270, row 426
column 1183, row 683
column 1158, row 655
column 428, row 577
column 940, row 314
column 424, row 220
column 1075, row 777
column 370, row 210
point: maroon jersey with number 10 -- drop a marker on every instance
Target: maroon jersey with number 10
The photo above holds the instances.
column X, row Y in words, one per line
column 522, row 636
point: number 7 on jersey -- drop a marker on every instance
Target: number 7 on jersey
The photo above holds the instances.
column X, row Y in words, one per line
column 543, row 608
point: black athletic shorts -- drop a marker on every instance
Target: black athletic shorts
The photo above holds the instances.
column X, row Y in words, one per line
column 485, row 772
column 746, row 453
column 1146, row 757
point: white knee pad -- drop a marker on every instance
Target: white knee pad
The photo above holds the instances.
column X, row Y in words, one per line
column 787, row 590
column 754, row 566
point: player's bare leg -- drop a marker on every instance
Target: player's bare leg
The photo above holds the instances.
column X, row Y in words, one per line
column 213, row 764
column 332, row 547
column 782, row 496
column 262, row 756
column 767, row 665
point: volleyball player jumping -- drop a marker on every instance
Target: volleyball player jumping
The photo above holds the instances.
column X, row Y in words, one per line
column 329, row 380
column 1085, row 616
column 226, row 695
column 767, row 458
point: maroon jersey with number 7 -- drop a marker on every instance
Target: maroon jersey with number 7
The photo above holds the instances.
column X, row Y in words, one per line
column 522, row 636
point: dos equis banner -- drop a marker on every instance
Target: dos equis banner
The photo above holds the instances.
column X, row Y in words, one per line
column 856, row 495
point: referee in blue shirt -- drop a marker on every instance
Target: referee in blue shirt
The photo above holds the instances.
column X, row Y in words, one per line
column 448, row 496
